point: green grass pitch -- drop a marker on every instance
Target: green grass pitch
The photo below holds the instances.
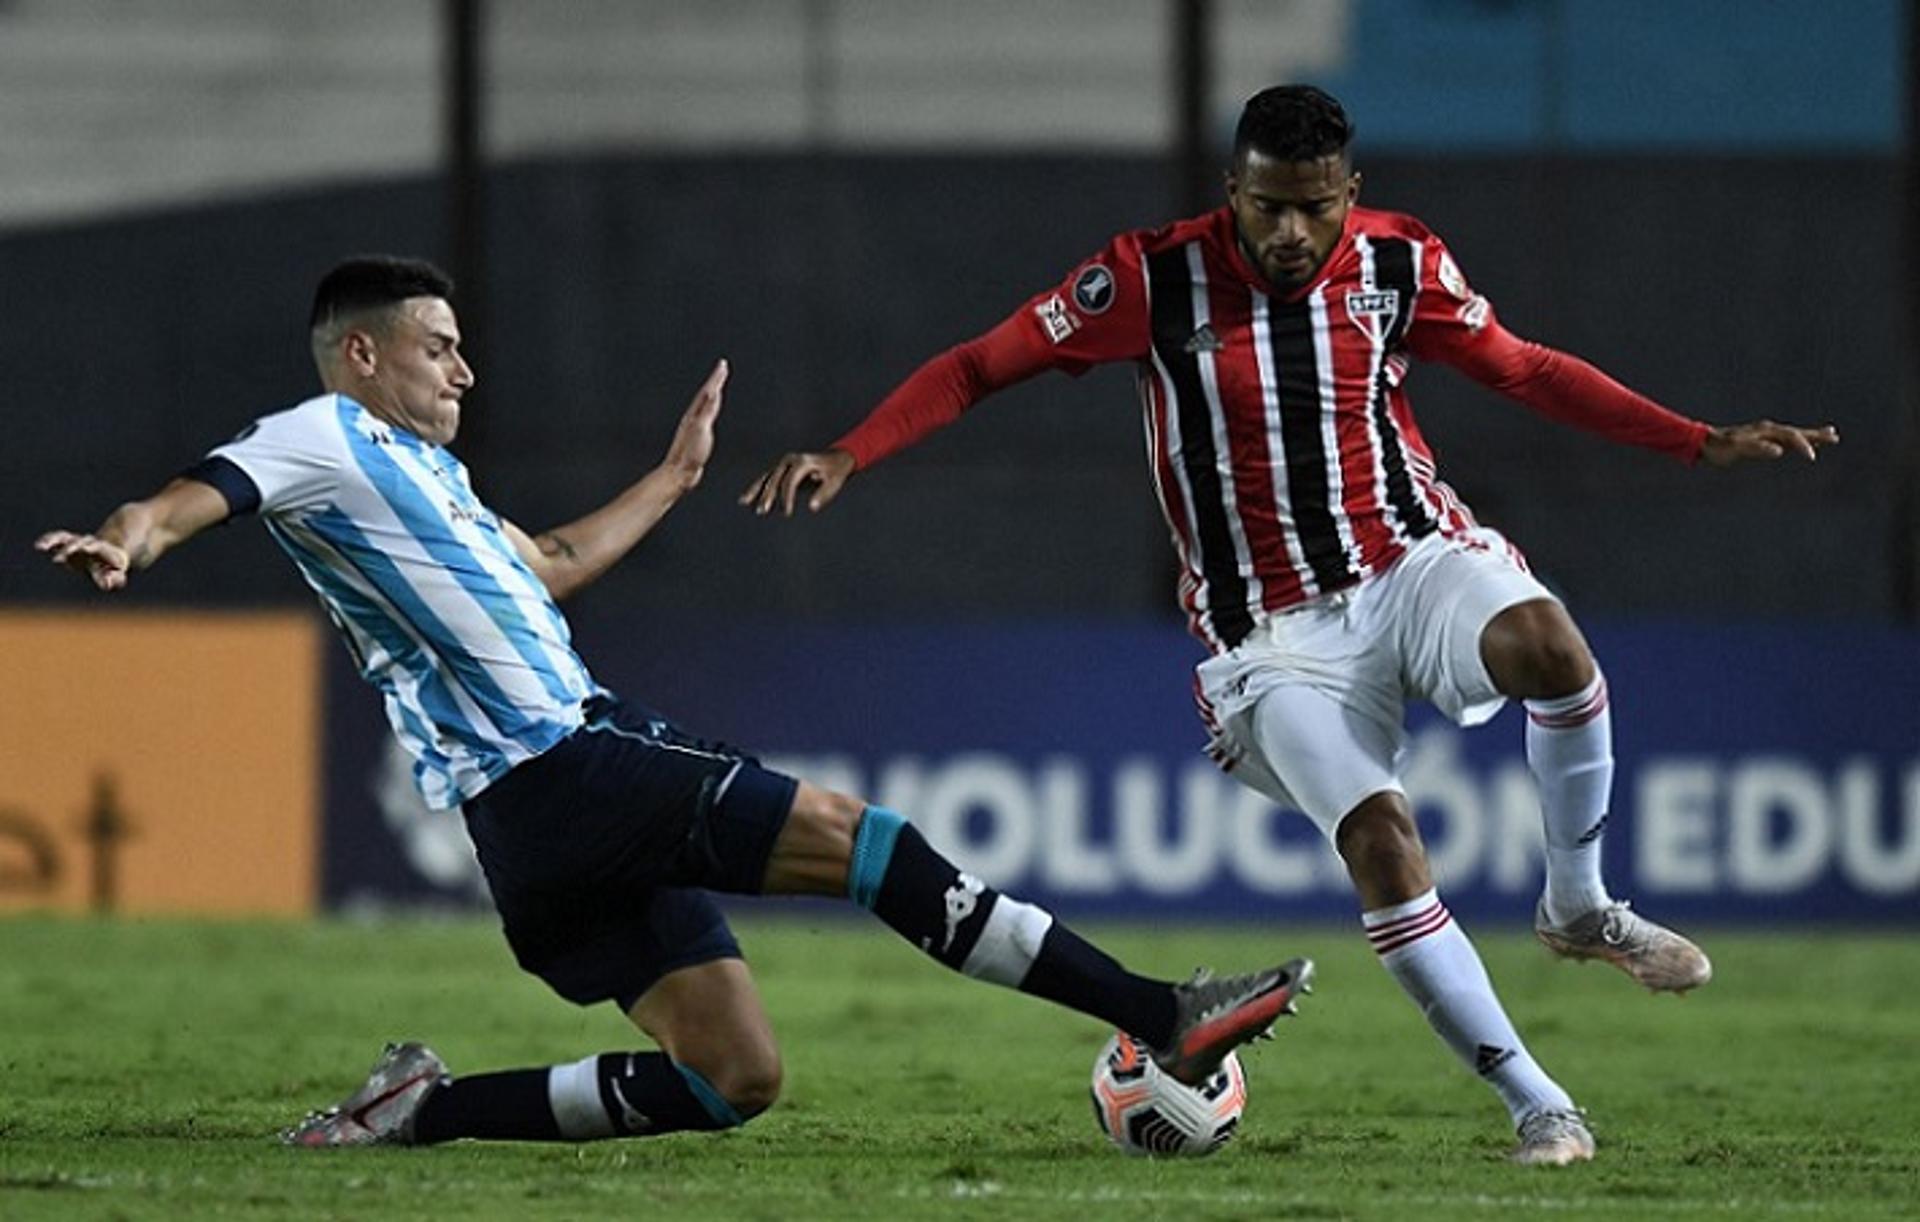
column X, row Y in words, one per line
column 147, row 1066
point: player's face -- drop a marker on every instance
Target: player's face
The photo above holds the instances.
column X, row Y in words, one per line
column 1290, row 213
column 418, row 374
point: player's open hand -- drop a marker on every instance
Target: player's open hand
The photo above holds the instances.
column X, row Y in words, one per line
column 693, row 441
column 107, row 563
column 781, row 483
column 1763, row 439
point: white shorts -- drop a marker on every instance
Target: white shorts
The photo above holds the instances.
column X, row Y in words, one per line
column 1310, row 708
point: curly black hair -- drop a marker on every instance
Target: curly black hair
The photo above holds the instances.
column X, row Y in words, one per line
column 1292, row 123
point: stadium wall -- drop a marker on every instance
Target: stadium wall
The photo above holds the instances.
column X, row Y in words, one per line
column 232, row 763
column 133, row 345
column 159, row 763
column 1766, row 775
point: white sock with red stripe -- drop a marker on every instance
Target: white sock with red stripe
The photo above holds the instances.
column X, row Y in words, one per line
column 1421, row 947
column 1570, row 749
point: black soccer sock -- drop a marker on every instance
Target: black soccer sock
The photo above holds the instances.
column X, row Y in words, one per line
column 507, row 1106
column 613, row 1094
column 1070, row 969
column 973, row 929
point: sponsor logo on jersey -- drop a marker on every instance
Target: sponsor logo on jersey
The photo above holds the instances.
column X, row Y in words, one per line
column 465, row 513
column 1093, row 289
column 1056, row 319
column 1373, row 312
column 1204, row 340
column 1451, row 279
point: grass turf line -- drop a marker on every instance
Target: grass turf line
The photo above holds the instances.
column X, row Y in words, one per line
column 148, row 1064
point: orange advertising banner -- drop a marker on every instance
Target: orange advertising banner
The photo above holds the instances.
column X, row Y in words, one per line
column 159, row 762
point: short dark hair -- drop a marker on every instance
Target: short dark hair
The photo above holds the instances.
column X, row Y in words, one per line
column 371, row 282
column 1292, row 123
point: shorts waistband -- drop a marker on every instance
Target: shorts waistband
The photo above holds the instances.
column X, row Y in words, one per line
column 1330, row 600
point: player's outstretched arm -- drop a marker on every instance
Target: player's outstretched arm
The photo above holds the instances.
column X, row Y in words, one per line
column 137, row 534
column 1763, row 440
column 933, row 396
column 780, row 484
column 571, row 556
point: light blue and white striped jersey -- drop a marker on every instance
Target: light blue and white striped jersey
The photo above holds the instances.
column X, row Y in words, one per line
column 474, row 660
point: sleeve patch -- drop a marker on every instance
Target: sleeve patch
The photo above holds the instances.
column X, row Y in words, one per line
column 1450, row 277
column 1474, row 313
column 1093, row 289
column 1056, row 319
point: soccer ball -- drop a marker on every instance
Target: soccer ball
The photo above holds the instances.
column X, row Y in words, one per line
column 1144, row 1111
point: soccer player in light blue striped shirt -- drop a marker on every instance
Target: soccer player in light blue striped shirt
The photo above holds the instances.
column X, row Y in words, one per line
column 429, row 587
column 601, row 825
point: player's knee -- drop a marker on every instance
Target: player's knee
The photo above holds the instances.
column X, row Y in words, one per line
column 1378, row 840
column 1534, row 652
column 1561, row 667
column 814, row 848
column 747, row 1081
column 824, row 818
column 753, row 1085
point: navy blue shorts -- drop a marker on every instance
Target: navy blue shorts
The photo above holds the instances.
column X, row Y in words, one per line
column 600, row 852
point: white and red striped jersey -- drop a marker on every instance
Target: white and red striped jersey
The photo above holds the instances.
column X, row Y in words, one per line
column 1279, row 435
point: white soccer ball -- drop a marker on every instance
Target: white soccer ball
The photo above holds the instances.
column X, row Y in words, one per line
column 1144, row 1111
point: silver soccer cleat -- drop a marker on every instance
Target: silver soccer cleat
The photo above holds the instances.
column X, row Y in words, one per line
column 382, row 1111
column 1652, row 954
column 1553, row 1139
column 1215, row 1015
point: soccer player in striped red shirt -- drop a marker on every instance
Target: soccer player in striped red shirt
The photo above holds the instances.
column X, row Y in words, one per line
column 1329, row 571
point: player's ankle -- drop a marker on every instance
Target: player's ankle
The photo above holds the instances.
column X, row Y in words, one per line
column 1565, row 905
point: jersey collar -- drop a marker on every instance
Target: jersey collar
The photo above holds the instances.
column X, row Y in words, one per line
column 393, row 434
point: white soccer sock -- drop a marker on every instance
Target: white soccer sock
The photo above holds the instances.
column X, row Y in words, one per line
column 573, row 1092
column 1570, row 749
column 1432, row 958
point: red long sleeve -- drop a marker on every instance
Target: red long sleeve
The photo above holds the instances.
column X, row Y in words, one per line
column 1562, row 387
column 935, row 394
column 1099, row 313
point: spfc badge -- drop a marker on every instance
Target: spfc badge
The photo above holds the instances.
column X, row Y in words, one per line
column 1374, row 312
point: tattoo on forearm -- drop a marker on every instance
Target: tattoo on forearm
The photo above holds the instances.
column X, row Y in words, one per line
column 555, row 545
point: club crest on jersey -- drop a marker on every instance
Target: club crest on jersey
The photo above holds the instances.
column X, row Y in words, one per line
column 1093, row 289
column 1056, row 319
column 1373, row 312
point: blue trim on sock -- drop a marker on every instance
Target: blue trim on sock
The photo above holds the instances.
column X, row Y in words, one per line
column 872, row 854
column 710, row 1099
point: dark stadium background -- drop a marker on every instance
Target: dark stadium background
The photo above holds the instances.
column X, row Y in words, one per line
column 1711, row 201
